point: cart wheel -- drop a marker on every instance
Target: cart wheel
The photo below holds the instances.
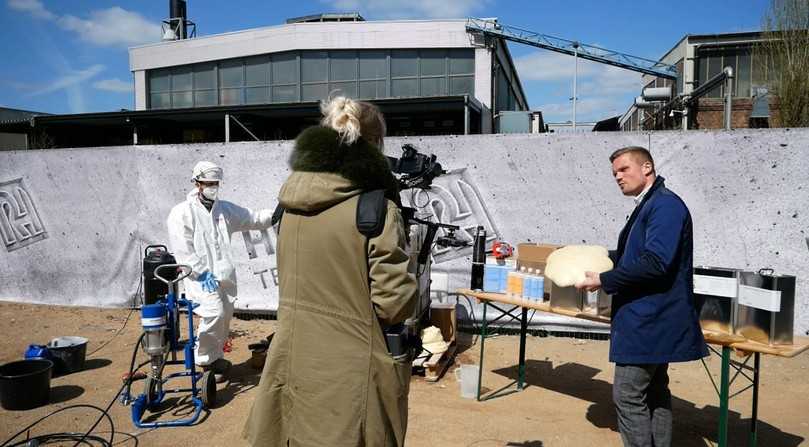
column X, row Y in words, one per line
column 208, row 389
column 151, row 391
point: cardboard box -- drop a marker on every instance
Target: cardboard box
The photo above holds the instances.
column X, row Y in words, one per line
column 535, row 256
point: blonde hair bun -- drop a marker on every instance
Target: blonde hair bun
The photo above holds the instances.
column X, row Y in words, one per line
column 343, row 115
column 354, row 120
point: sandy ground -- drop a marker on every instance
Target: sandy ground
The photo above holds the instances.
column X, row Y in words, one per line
column 567, row 401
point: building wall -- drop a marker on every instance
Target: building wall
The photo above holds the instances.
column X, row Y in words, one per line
column 141, row 102
column 483, row 86
column 301, row 36
column 710, row 113
column 314, row 75
column 700, row 58
column 733, row 182
column 13, row 141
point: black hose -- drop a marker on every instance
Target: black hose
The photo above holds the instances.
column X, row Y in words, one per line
column 132, row 364
column 107, row 414
column 82, row 438
column 104, row 413
column 90, row 440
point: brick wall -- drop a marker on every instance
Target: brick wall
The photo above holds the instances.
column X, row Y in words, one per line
column 710, row 113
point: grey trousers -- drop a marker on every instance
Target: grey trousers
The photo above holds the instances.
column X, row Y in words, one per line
column 643, row 403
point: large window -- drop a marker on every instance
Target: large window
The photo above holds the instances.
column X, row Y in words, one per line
column 748, row 69
column 314, row 75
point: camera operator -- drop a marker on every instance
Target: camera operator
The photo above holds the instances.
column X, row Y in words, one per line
column 329, row 379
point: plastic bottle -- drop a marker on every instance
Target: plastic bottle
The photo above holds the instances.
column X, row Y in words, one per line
column 514, row 284
column 532, row 285
column 526, row 283
column 540, row 287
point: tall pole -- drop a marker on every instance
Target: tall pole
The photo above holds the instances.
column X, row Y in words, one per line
column 575, row 80
column 728, row 97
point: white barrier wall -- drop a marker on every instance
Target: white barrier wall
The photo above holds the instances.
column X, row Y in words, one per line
column 74, row 222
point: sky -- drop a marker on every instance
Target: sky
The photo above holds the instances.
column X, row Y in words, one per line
column 70, row 56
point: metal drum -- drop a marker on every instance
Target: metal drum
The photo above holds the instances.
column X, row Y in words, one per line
column 567, row 297
column 766, row 307
column 716, row 290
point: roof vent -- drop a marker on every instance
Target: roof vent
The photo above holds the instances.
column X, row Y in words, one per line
column 328, row 17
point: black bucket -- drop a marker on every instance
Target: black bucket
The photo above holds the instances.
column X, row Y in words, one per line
column 25, row 384
column 68, row 354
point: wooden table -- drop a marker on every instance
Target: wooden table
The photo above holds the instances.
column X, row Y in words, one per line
column 743, row 347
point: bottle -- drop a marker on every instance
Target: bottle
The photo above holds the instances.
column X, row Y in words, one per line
column 540, row 287
column 526, row 281
column 478, row 259
column 531, row 287
column 511, row 284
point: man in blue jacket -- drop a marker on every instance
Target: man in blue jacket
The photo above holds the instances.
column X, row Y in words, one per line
column 654, row 313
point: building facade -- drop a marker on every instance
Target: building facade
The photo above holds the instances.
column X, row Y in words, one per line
column 428, row 77
column 309, row 60
column 698, row 58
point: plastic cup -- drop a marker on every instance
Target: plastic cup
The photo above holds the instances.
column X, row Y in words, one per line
column 467, row 375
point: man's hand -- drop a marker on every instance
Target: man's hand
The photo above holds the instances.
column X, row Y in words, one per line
column 591, row 283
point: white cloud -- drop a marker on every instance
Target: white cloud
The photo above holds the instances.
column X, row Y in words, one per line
column 104, row 27
column 33, row 7
column 602, row 90
column 593, row 77
column 544, row 65
column 400, row 9
column 70, row 79
column 113, row 85
column 602, row 107
column 112, row 27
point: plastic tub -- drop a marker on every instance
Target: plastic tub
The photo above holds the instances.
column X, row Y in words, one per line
column 25, row 384
column 68, row 354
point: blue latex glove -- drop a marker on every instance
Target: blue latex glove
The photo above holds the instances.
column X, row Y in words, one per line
column 208, row 282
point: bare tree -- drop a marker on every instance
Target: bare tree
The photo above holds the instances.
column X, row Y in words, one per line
column 786, row 47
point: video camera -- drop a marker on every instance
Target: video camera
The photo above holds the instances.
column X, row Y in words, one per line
column 415, row 169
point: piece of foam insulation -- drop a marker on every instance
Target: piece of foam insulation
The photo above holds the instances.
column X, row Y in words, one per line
column 566, row 265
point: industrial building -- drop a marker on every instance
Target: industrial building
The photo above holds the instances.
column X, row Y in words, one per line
column 15, row 140
column 699, row 58
column 429, row 77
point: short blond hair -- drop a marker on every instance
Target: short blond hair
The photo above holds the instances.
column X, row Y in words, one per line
column 353, row 120
column 641, row 154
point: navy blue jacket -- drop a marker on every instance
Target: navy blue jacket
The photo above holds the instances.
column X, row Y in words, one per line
column 654, row 313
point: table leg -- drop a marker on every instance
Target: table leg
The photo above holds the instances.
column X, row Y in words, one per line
column 753, row 439
column 724, row 387
column 482, row 341
column 523, row 331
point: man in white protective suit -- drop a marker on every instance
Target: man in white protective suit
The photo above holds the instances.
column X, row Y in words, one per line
column 200, row 230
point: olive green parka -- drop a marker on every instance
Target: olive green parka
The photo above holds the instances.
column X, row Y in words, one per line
column 328, row 379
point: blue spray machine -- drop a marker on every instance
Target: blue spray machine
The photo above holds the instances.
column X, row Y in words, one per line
column 160, row 340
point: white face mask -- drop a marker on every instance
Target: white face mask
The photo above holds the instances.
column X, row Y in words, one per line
column 210, row 192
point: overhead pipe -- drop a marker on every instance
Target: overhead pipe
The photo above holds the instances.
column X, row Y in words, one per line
column 725, row 76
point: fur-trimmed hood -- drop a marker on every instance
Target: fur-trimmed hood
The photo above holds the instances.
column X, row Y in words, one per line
column 326, row 172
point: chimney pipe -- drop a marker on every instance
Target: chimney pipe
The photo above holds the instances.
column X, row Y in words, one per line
column 178, row 17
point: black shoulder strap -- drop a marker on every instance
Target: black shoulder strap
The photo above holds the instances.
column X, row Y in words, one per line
column 371, row 212
column 275, row 220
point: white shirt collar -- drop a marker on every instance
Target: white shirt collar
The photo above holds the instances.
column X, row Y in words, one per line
column 639, row 197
